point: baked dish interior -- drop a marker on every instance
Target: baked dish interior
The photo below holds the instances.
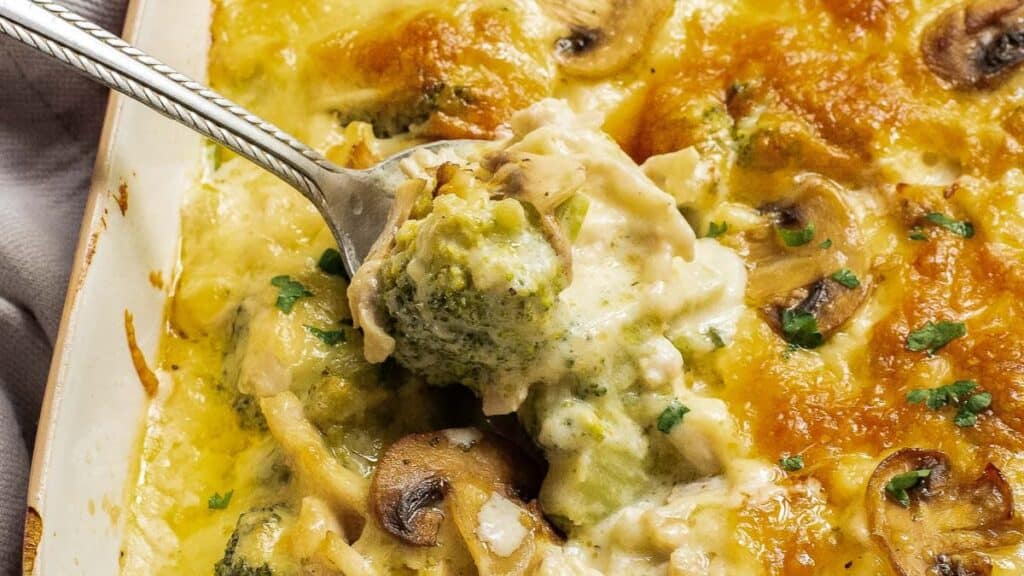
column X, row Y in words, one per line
column 727, row 288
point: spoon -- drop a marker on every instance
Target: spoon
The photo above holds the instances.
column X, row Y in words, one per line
column 355, row 203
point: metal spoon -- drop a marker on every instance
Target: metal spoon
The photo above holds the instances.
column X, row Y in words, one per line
column 355, row 203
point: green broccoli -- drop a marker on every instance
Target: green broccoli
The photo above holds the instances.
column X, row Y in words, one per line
column 405, row 111
column 251, row 549
column 470, row 288
column 246, row 406
column 247, row 409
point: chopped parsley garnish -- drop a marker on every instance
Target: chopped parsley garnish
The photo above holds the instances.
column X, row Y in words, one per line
column 958, row 393
column 331, row 263
column 826, row 244
column 846, row 277
column 958, row 227
column 938, row 398
column 898, row 485
column 218, row 502
column 800, row 329
column 794, row 238
column 289, row 292
column 671, row 416
column 934, row 335
column 329, row 337
column 792, row 463
column 716, row 229
column 917, row 234
column 967, row 415
column 716, row 338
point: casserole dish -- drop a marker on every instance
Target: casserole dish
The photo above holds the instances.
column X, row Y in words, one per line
column 89, row 433
column 749, row 296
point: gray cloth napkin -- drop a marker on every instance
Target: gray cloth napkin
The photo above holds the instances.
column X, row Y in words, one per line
column 50, row 122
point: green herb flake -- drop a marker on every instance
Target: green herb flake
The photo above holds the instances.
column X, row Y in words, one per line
column 800, row 329
column 965, row 418
column 938, row 398
column 846, row 277
column 917, row 234
column 967, row 415
column 716, row 229
column 715, row 337
column 958, row 393
column 934, row 335
column 289, row 292
column 671, row 416
column 826, row 244
column 791, row 463
column 795, row 238
column 331, row 263
column 899, row 484
column 329, row 337
column 218, row 502
column 979, row 402
column 959, row 227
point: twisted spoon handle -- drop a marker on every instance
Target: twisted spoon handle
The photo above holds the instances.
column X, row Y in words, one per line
column 73, row 40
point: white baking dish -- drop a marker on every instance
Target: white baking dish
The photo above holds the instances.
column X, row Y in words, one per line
column 95, row 406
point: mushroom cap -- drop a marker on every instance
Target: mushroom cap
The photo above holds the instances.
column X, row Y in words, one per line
column 977, row 43
column 604, row 35
column 948, row 521
column 418, row 472
column 798, row 277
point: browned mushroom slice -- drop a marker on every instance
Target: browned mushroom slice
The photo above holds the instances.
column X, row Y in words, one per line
column 976, row 44
column 604, row 35
column 479, row 480
column 810, row 239
column 928, row 522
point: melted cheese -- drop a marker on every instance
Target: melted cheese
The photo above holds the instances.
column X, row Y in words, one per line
column 499, row 526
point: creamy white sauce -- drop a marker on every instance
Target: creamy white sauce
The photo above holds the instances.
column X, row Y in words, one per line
column 464, row 438
column 500, row 527
column 661, row 363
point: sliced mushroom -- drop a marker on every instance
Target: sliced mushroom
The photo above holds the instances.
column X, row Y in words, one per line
column 799, row 278
column 976, row 44
column 475, row 478
column 946, row 522
column 604, row 35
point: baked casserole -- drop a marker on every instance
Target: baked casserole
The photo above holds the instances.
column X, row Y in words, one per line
column 728, row 288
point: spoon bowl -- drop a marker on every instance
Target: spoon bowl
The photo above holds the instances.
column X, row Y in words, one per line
column 356, row 203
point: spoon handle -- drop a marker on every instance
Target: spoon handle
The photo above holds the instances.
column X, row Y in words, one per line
column 80, row 44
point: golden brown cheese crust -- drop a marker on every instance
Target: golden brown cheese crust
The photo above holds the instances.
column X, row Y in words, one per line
column 848, row 91
column 852, row 73
column 459, row 76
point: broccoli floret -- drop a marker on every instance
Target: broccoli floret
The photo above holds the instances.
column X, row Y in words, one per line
column 471, row 286
column 251, row 549
column 406, row 111
column 246, row 406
